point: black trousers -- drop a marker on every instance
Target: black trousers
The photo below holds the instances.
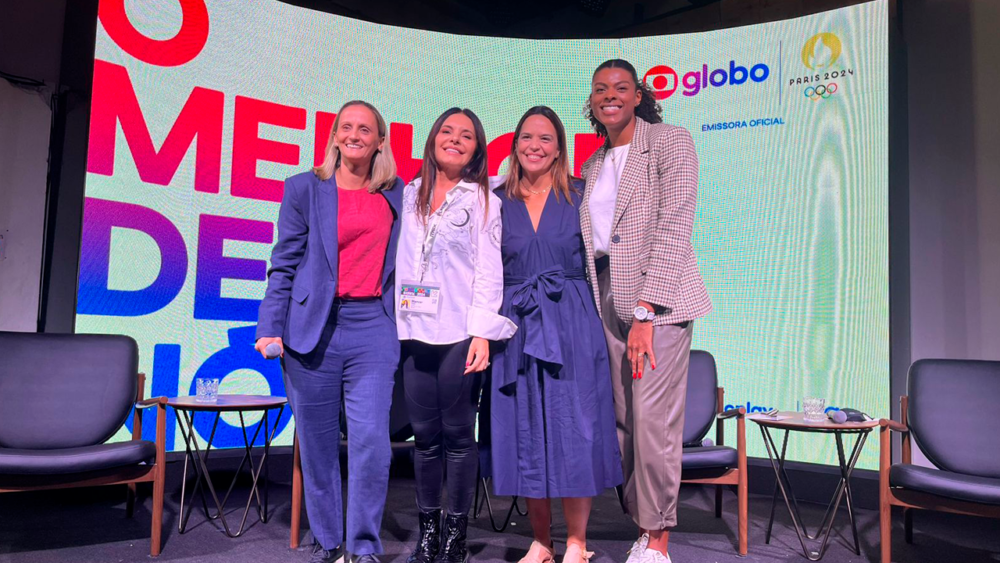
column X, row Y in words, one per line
column 442, row 403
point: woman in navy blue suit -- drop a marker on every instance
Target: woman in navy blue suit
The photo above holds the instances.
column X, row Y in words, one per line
column 329, row 306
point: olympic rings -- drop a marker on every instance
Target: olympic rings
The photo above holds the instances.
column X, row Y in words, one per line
column 821, row 92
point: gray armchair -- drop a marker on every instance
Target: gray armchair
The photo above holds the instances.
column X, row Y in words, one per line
column 949, row 410
column 61, row 398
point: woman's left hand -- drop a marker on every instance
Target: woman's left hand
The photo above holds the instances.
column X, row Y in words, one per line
column 479, row 355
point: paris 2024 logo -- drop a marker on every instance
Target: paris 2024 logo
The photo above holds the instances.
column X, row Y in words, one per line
column 823, row 54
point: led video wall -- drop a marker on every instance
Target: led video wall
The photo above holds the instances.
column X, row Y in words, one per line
column 202, row 107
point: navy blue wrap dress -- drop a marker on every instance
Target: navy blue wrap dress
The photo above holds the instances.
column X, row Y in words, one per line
column 552, row 413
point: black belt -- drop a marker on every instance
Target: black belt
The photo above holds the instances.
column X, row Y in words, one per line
column 602, row 263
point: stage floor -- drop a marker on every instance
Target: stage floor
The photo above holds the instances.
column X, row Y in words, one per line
column 89, row 525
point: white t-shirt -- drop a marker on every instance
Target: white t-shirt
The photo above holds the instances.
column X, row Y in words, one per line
column 603, row 196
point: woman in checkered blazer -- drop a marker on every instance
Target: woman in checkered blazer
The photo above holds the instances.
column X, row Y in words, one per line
column 636, row 217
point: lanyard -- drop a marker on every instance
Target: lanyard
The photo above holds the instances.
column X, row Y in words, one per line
column 430, row 234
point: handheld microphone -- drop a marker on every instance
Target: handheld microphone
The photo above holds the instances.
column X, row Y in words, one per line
column 272, row 351
column 838, row 417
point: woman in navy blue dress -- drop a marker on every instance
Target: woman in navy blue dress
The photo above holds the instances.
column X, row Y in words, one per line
column 553, row 422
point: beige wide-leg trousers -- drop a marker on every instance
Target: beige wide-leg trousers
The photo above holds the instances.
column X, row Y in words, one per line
column 650, row 415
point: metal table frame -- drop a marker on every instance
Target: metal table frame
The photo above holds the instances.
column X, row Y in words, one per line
column 197, row 458
column 810, row 549
column 477, row 505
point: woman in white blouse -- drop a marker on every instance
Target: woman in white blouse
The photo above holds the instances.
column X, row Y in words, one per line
column 450, row 287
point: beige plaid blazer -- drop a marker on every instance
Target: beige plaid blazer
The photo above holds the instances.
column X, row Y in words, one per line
column 651, row 254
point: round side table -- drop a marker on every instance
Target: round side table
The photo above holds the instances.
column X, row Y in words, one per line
column 197, row 457
column 813, row 545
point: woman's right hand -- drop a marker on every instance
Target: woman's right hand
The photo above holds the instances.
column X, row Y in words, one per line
column 263, row 343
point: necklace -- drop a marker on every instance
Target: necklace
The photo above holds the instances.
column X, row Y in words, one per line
column 536, row 192
column 614, row 163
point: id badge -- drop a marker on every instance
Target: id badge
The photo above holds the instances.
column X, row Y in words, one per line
column 419, row 298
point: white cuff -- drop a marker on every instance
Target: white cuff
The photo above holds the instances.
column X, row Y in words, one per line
column 489, row 325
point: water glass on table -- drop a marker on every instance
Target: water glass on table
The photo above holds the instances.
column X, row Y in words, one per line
column 207, row 389
column 814, row 409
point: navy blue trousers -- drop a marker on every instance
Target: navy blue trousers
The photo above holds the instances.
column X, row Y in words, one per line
column 353, row 364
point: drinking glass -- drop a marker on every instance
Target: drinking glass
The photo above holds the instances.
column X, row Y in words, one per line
column 208, row 389
column 814, row 409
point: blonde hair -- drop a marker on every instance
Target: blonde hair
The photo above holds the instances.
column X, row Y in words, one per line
column 383, row 166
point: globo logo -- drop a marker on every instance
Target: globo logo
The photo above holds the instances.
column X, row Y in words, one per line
column 662, row 79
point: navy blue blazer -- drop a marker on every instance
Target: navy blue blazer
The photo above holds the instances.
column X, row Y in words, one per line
column 302, row 281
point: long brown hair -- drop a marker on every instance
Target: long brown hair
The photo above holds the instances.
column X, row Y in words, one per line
column 648, row 109
column 562, row 180
column 476, row 171
column 383, row 166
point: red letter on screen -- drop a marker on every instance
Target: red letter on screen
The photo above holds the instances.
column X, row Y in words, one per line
column 248, row 147
column 115, row 101
column 401, row 143
column 497, row 151
column 176, row 51
column 584, row 146
column 324, row 123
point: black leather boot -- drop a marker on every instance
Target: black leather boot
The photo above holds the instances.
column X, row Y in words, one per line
column 453, row 549
column 429, row 542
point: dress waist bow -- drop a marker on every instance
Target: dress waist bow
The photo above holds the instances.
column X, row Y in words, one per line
column 535, row 302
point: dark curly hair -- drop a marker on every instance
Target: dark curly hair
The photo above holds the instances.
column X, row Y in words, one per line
column 648, row 109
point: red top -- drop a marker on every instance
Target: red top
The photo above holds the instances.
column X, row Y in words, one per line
column 364, row 223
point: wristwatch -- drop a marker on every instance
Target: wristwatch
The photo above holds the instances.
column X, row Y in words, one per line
column 643, row 314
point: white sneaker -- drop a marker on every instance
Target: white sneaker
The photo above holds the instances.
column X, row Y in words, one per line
column 653, row 556
column 637, row 549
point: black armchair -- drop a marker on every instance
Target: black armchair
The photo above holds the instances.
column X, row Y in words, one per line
column 717, row 464
column 948, row 411
column 61, row 398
